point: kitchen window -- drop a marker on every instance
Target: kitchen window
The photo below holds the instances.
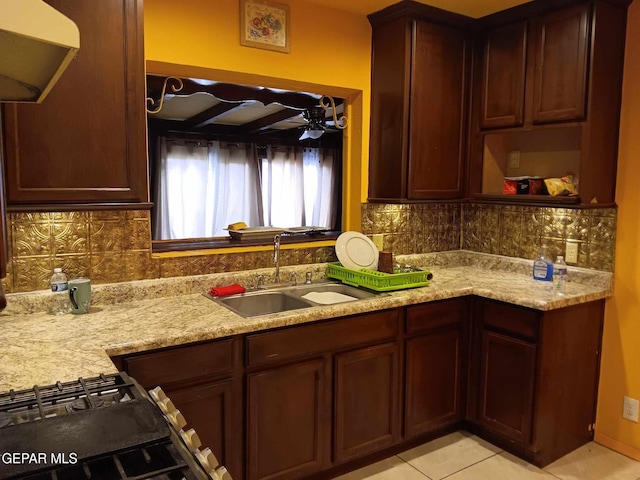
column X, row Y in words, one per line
column 202, row 186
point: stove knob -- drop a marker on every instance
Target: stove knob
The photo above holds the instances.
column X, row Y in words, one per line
column 191, row 439
column 222, row 474
column 166, row 405
column 157, row 394
column 177, row 419
column 207, row 459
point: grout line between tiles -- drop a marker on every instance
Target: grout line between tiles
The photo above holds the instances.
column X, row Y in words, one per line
column 555, row 476
column 419, row 471
column 475, row 463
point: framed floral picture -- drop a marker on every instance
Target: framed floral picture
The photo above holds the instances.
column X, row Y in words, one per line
column 264, row 24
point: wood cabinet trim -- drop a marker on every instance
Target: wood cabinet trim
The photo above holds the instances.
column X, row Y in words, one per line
column 435, row 315
column 182, row 364
column 308, row 340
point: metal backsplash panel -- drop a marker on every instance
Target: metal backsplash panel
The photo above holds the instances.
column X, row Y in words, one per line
column 114, row 246
column 413, row 228
column 517, row 231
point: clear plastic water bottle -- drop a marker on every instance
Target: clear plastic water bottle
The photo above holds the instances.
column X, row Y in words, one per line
column 560, row 275
column 59, row 293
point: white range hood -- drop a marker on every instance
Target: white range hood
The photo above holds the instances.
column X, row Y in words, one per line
column 36, row 45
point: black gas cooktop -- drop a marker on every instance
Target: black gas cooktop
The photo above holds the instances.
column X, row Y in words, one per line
column 101, row 428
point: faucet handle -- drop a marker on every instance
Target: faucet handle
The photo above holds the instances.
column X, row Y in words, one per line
column 308, row 278
column 294, row 280
column 260, row 284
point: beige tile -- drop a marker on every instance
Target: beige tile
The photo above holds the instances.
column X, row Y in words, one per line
column 388, row 469
column 448, row 454
column 595, row 462
column 503, row 466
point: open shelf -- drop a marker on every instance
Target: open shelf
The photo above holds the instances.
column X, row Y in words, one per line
column 546, row 153
column 536, row 200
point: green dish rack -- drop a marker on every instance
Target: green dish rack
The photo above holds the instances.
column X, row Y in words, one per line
column 379, row 281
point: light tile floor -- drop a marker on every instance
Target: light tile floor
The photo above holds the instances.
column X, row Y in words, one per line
column 463, row 456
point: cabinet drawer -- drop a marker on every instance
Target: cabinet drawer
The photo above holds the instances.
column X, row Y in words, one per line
column 507, row 318
column 432, row 315
column 307, row 340
column 181, row 364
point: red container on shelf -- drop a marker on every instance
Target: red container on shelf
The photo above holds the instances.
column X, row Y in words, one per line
column 523, row 186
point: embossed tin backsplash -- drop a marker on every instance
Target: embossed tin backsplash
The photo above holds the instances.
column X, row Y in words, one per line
column 114, row 246
column 514, row 231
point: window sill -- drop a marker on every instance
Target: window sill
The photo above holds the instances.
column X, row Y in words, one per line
column 199, row 244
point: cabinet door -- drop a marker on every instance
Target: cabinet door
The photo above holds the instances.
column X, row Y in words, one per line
column 437, row 112
column 560, row 78
column 389, row 110
column 210, row 410
column 87, row 141
column 366, row 401
column 507, row 381
column 433, row 382
column 287, row 421
column 503, row 73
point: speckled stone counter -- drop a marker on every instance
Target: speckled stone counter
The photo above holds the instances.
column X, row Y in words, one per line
column 39, row 348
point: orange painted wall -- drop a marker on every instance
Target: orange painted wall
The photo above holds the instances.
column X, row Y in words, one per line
column 330, row 54
column 620, row 371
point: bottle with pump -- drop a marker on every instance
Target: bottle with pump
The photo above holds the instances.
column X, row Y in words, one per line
column 59, row 293
column 543, row 266
column 560, row 275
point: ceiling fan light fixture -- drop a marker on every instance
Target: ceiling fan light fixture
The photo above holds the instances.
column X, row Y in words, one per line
column 312, row 132
column 315, row 133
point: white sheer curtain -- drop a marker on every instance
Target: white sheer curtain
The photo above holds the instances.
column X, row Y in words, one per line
column 202, row 187
column 299, row 187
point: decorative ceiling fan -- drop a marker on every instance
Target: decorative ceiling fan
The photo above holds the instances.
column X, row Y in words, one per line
column 316, row 120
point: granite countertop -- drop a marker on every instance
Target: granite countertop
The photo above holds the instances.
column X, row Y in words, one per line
column 39, row 348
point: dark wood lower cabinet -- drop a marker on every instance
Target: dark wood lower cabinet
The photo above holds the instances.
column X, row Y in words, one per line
column 322, row 397
column 435, row 366
column 366, row 401
column 209, row 409
column 507, row 382
column 201, row 380
column 287, row 422
column 533, row 388
column 432, row 385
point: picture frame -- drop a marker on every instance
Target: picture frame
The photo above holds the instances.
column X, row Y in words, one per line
column 265, row 24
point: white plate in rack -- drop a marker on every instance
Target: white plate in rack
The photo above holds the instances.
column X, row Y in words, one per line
column 355, row 251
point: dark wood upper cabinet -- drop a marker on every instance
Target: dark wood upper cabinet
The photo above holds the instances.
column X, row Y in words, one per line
column 418, row 106
column 503, row 76
column 548, row 79
column 87, row 141
column 560, row 75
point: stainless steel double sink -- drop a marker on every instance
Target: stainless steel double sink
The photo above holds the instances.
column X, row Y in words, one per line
column 264, row 302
